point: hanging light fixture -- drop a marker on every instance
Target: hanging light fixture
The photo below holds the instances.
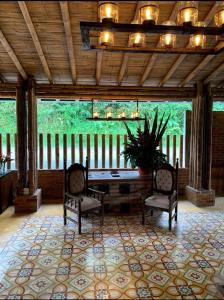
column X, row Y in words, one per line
column 188, row 13
column 108, row 12
column 106, row 38
column 168, row 40
column 149, row 13
column 137, row 39
column 109, row 116
column 198, row 41
column 219, row 16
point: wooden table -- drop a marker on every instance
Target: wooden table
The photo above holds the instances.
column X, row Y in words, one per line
column 8, row 182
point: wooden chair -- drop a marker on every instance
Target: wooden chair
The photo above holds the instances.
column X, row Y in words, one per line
column 164, row 194
column 78, row 197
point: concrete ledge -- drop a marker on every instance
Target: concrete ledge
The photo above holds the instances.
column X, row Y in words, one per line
column 200, row 197
column 28, row 203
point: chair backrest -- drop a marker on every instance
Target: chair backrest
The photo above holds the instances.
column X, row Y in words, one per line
column 76, row 178
column 165, row 179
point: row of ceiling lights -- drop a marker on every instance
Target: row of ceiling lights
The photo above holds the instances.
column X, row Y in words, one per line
column 149, row 13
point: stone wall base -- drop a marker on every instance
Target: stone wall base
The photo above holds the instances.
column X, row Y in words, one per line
column 28, row 203
column 200, row 197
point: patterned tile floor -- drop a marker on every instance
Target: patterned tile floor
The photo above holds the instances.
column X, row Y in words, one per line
column 45, row 260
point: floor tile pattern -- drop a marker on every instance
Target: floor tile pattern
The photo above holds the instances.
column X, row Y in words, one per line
column 122, row 259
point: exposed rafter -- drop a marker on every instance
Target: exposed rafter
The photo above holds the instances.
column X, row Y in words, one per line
column 154, row 57
column 35, row 38
column 69, row 39
column 2, row 78
column 218, row 70
column 12, row 55
column 99, row 59
column 126, row 56
column 180, row 59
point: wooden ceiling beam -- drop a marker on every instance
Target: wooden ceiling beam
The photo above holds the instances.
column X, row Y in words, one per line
column 99, row 59
column 181, row 58
column 12, row 55
column 212, row 75
column 125, row 58
column 153, row 58
column 2, row 78
column 29, row 23
column 69, row 38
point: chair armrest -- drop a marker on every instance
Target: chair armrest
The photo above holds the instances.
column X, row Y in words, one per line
column 96, row 191
column 173, row 197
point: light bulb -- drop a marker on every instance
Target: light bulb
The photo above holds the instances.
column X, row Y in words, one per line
column 108, row 11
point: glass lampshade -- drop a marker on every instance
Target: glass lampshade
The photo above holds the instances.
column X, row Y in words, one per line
column 188, row 13
column 149, row 13
column 137, row 39
column 108, row 12
column 96, row 113
column 106, row 38
column 168, row 40
column 219, row 16
column 198, row 40
column 109, row 112
column 121, row 114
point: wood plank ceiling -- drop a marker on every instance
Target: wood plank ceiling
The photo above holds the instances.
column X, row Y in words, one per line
column 42, row 39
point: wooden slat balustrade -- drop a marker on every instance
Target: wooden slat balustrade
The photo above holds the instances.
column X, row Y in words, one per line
column 60, row 148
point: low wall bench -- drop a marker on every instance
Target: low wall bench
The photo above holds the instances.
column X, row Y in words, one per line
column 123, row 188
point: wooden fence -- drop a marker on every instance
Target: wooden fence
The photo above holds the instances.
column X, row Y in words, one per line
column 103, row 151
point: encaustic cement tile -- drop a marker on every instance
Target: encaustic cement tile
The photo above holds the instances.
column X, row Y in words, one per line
column 120, row 260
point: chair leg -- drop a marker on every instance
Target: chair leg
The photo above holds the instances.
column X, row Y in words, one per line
column 176, row 210
column 79, row 223
column 170, row 221
column 65, row 216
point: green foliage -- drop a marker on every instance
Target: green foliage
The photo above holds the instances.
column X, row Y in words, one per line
column 70, row 117
column 142, row 149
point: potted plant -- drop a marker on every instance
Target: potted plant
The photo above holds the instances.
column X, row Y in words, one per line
column 142, row 150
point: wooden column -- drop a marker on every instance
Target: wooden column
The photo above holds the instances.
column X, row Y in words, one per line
column 28, row 200
column 199, row 189
column 21, row 111
column 32, row 136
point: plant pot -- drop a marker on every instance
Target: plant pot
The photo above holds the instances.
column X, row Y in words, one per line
column 144, row 171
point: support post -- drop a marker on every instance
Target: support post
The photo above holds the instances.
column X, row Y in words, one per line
column 21, row 112
column 29, row 199
column 199, row 190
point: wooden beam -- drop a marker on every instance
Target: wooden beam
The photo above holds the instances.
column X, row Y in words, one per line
column 35, row 38
column 154, row 57
column 88, row 92
column 212, row 75
column 2, row 78
column 69, row 39
column 99, row 59
column 12, row 55
column 126, row 56
column 180, row 59
column 146, row 50
column 199, row 67
column 123, row 68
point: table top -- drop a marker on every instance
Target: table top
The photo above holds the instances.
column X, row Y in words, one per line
column 123, row 176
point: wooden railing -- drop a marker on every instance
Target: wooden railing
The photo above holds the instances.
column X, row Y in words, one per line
column 103, row 151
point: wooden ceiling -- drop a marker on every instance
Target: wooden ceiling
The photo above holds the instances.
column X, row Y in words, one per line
column 42, row 39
